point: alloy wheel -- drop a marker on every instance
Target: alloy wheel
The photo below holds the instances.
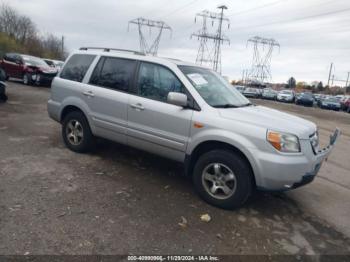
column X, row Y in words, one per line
column 74, row 132
column 219, row 181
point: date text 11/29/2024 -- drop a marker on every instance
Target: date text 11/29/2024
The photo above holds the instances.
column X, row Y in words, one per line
column 174, row 258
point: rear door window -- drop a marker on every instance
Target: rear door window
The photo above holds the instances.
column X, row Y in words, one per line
column 114, row 73
column 76, row 67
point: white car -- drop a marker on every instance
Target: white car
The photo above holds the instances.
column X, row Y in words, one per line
column 286, row 96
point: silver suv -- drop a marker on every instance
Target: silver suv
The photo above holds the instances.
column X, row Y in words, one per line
column 187, row 113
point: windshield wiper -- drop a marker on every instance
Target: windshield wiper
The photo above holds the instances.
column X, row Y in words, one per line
column 226, row 106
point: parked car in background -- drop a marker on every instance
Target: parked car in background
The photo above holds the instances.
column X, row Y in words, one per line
column 343, row 103
column 297, row 95
column 251, row 92
column 269, row 94
column 331, row 103
column 305, row 99
column 188, row 113
column 286, row 96
column 240, row 88
column 31, row 69
column 317, row 97
column 339, row 97
column 3, row 96
column 54, row 63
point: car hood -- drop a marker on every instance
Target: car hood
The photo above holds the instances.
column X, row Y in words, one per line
column 271, row 119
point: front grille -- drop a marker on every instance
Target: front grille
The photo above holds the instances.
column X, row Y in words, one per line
column 314, row 140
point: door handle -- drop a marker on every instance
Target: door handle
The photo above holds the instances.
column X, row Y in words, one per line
column 88, row 93
column 137, row 106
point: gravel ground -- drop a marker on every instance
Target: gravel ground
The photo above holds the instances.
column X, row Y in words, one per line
column 118, row 200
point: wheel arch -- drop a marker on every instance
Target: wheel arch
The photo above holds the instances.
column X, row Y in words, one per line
column 68, row 109
column 210, row 145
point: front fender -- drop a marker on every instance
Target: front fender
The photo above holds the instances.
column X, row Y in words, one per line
column 236, row 140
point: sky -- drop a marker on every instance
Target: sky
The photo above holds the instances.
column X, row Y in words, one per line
column 311, row 33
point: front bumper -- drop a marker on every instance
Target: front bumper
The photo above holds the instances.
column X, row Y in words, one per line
column 285, row 172
column 43, row 79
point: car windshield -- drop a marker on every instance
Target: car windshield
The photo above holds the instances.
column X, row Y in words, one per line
column 213, row 88
column 34, row 61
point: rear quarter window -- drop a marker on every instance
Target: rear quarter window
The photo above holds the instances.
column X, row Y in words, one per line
column 114, row 73
column 76, row 67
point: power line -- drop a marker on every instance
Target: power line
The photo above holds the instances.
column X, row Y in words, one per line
column 266, row 24
column 296, row 19
column 178, row 9
column 256, row 8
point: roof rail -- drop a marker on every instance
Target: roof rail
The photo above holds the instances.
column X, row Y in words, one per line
column 107, row 49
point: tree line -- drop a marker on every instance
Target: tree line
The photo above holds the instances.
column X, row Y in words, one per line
column 18, row 33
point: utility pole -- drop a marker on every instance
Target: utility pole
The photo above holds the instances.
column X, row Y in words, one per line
column 205, row 55
column 217, row 54
column 62, row 47
column 330, row 74
column 347, row 82
column 144, row 45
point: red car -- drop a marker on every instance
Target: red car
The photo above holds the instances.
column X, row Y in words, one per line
column 346, row 105
column 31, row 69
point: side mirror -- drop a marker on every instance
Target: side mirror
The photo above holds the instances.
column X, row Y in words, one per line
column 177, row 99
column 18, row 62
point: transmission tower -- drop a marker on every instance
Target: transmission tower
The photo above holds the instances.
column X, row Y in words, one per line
column 262, row 54
column 145, row 47
column 208, row 55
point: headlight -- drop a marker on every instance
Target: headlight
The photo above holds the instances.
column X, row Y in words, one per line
column 284, row 142
column 314, row 139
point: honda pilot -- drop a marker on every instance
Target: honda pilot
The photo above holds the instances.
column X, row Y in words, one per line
column 187, row 113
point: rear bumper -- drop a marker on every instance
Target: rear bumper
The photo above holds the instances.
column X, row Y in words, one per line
column 283, row 172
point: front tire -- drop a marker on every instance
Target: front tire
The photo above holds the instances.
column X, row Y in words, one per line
column 76, row 132
column 223, row 179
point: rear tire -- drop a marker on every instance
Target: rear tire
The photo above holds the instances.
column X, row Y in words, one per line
column 76, row 132
column 223, row 179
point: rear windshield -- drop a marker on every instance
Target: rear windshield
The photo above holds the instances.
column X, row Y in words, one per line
column 76, row 67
